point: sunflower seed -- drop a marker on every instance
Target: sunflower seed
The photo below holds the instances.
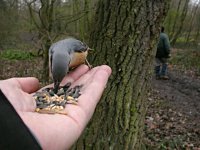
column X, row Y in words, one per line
column 49, row 102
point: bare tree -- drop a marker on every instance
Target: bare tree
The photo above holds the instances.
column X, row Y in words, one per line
column 197, row 27
column 52, row 18
column 182, row 18
column 43, row 18
column 9, row 23
column 176, row 18
column 192, row 16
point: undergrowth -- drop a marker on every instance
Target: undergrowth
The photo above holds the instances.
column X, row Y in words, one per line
column 12, row 54
column 187, row 60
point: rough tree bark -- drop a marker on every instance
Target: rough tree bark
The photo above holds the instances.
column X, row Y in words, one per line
column 124, row 37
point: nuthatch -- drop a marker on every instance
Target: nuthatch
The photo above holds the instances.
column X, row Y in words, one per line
column 63, row 55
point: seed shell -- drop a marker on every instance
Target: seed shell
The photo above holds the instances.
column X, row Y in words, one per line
column 51, row 103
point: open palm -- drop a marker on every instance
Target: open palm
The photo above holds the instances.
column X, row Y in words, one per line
column 58, row 131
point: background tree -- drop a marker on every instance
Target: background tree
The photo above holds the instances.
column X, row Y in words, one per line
column 51, row 19
column 9, row 23
column 182, row 22
column 192, row 20
column 197, row 27
column 125, row 37
column 182, row 18
column 44, row 25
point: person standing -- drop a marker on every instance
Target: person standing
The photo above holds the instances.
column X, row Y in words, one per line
column 162, row 55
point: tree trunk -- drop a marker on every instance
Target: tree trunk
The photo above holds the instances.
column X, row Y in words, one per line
column 197, row 30
column 44, row 26
column 176, row 18
column 191, row 26
column 182, row 19
column 124, row 37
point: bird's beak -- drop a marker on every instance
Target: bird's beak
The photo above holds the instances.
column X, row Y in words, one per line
column 56, row 87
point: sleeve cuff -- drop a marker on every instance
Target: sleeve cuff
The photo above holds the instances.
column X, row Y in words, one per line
column 14, row 133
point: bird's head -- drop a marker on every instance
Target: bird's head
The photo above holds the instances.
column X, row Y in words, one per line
column 76, row 45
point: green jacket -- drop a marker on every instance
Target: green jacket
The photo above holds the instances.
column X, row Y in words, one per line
column 163, row 47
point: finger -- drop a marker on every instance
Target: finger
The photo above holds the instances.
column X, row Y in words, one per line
column 90, row 96
column 86, row 78
column 28, row 84
column 93, row 92
column 77, row 73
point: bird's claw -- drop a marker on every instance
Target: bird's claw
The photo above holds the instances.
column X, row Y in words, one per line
column 88, row 64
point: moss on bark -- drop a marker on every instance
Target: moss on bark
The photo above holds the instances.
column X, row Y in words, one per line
column 124, row 37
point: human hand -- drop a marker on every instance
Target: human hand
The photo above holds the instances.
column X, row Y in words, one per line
column 58, row 131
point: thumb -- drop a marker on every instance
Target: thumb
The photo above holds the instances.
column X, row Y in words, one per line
column 28, row 84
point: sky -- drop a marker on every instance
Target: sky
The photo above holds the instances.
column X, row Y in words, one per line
column 195, row 1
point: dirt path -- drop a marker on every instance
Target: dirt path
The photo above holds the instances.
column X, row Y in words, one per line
column 182, row 92
column 173, row 115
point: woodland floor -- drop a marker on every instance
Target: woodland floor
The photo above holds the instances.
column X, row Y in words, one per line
column 173, row 114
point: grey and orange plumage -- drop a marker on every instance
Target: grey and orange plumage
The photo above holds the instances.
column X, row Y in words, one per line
column 63, row 55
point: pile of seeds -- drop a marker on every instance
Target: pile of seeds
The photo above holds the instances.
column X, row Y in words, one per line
column 49, row 102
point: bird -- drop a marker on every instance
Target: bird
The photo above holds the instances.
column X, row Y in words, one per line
column 64, row 55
